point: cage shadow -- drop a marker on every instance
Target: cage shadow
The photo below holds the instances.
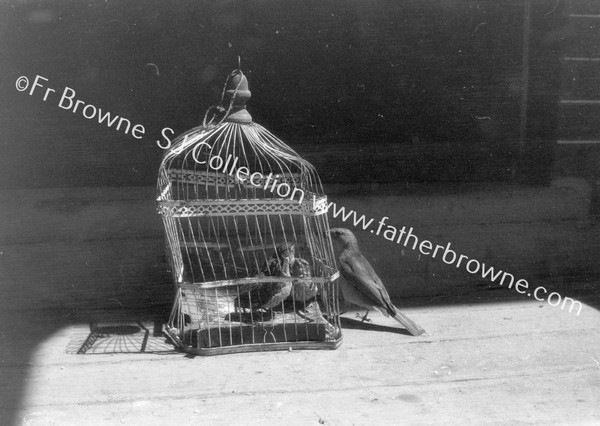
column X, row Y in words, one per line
column 122, row 337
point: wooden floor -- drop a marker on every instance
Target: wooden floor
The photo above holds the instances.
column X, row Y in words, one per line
column 486, row 363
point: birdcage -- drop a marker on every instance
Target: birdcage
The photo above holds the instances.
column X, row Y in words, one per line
column 247, row 238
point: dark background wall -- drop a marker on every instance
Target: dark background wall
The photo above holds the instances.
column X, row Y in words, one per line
column 369, row 91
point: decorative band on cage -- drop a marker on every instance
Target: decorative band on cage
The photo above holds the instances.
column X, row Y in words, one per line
column 195, row 208
column 223, row 179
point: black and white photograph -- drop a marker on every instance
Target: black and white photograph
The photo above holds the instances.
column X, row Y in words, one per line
column 301, row 212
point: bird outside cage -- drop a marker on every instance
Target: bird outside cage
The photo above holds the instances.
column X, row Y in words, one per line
column 247, row 238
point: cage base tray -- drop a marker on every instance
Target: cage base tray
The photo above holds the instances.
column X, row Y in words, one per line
column 259, row 331
column 329, row 344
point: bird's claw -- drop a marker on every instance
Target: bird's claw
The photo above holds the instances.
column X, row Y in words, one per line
column 363, row 318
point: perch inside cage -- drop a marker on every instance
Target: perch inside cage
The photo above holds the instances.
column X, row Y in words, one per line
column 247, row 238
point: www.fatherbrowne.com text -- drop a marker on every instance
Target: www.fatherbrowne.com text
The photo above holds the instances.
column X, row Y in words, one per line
column 406, row 238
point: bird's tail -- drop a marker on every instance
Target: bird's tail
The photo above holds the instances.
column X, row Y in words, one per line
column 409, row 324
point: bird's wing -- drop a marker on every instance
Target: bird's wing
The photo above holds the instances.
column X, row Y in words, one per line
column 360, row 274
column 301, row 268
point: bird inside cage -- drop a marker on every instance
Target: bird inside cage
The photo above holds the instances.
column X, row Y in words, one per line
column 284, row 263
column 271, row 294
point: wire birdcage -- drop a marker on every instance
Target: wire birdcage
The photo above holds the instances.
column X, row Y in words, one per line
column 247, row 238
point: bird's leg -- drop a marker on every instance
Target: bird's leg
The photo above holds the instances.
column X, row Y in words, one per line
column 285, row 268
column 363, row 317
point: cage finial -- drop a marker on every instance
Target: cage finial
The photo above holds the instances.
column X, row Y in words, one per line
column 237, row 93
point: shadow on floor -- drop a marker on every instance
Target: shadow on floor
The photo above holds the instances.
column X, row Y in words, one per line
column 23, row 332
column 121, row 337
column 357, row 324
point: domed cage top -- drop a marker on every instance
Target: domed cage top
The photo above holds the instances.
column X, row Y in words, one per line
column 247, row 238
